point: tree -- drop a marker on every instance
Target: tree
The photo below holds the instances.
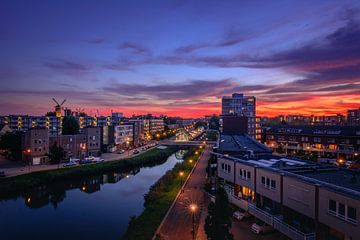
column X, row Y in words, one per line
column 11, row 142
column 218, row 222
column 56, row 154
column 70, row 126
column 214, row 123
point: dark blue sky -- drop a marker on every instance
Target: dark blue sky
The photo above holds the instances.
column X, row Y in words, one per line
column 179, row 57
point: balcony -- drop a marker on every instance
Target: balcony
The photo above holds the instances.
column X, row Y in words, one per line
column 241, row 203
column 291, row 231
column 261, row 214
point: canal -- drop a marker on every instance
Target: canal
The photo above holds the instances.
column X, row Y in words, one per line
column 98, row 207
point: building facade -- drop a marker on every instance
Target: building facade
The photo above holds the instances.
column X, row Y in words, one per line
column 353, row 117
column 302, row 200
column 335, row 140
column 244, row 106
column 35, row 146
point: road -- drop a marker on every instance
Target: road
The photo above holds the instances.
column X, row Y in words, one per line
column 178, row 223
column 14, row 169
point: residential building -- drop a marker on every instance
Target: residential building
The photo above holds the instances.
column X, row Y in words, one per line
column 85, row 144
column 240, row 145
column 75, row 146
column 4, row 129
column 303, row 200
column 244, row 106
column 156, row 125
column 123, row 135
column 324, row 140
column 35, row 146
column 353, row 117
column 93, row 141
column 108, row 139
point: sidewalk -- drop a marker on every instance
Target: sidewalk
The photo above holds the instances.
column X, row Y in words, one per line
column 178, row 223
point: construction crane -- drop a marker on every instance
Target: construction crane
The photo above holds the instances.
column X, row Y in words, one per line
column 58, row 107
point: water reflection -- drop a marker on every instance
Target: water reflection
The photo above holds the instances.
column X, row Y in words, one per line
column 56, row 193
column 64, row 209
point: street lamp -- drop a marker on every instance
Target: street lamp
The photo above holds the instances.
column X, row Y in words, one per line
column 181, row 178
column 190, row 161
column 193, row 208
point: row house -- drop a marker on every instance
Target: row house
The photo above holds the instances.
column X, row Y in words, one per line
column 344, row 140
column 302, row 200
column 87, row 143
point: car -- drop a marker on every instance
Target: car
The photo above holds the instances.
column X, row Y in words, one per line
column 69, row 164
column 121, row 151
column 143, row 149
column 85, row 161
column 136, row 152
column 238, row 215
column 260, row 227
column 2, row 174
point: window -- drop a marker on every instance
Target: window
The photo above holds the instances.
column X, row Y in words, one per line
column 317, row 139
column 248, row 175
column 241, row 173
column 273, row 184
column 267, row 182
column 263, row 180
column 332, row 206
column 351, row 212
column 222, row 166
column 341, row 210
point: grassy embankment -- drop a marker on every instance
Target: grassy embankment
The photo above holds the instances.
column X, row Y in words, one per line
column 17, row 184
column 159, row 199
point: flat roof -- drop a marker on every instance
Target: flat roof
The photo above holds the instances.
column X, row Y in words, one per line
column 240, row 143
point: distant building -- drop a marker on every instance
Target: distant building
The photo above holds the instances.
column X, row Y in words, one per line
column 4, row 129
column 353, row 117
column 123, row 135
column 35, row 146
column 243, row 106
column 87, row 143
column 323, row 140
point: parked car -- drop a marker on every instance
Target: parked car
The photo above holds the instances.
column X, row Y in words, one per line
column 136, row 151
column 121, row 151
column 260, row 227
column 2, row 174
column 238, row 215
column 85, row 161
column 143, row 149
column 69, row 164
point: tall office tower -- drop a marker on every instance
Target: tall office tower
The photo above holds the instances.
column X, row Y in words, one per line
column 239, row 105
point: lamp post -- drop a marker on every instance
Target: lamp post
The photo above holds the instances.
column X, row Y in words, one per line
column 193, row 209
column 181, row 178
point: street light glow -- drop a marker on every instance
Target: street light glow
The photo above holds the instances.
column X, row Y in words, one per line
column 193, row 208
column 181, row 173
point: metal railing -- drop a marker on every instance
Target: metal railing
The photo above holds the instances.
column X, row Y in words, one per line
column 261, row 214
column 241, row 203
column 291, row 231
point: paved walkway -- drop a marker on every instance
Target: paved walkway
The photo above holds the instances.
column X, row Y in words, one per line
column 178, row 223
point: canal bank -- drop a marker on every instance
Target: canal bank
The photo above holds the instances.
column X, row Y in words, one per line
column 14, row 185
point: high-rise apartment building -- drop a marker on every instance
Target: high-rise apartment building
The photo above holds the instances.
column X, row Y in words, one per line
column 239, row 105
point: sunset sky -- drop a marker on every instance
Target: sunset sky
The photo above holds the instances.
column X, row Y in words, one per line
column 179, row 57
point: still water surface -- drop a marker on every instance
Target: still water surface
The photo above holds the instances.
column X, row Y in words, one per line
column 91, row 208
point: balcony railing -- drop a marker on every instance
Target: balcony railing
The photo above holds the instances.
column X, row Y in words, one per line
column 261, row 214
column 241, row 203
column 291, row 231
